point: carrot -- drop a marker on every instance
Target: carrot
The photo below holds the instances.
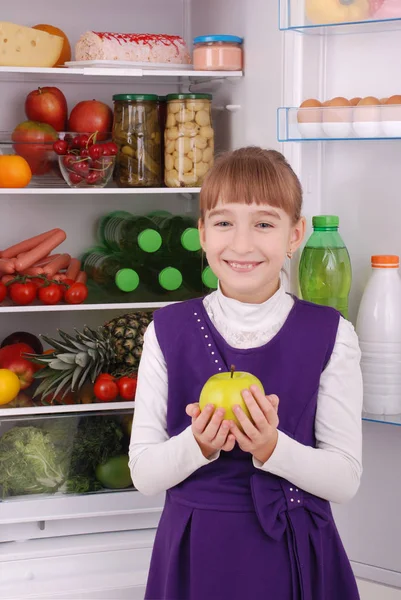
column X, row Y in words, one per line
column 61, row 262
column 33, row 271
column 27, row 245
column 7, row 266
column 82, row 277
column 40, row 251
column 74, row 268
column 45, row 261
column 7, row 278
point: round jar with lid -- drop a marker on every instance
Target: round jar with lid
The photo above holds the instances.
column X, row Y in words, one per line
column 136, row 131
column 218, row 53
column 188, row 139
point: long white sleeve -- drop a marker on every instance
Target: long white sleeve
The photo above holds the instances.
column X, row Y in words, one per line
column 333, row 469
column 156, row 461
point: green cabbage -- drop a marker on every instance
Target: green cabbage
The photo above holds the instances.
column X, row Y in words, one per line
column 30, row 463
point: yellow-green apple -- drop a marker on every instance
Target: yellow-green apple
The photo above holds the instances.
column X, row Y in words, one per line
column 224, row 390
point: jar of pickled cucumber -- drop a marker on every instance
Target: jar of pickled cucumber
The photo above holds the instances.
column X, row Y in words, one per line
column 188, row 139
column 136, row 131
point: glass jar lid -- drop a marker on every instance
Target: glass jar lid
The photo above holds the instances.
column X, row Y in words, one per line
column 228, row 39
column 189, row 97
column 135, row 97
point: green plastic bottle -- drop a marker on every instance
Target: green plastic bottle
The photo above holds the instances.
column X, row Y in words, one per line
column 179, row 233
column 325, row 272
column 209, row 279
column 130, row 234
column 110, row 270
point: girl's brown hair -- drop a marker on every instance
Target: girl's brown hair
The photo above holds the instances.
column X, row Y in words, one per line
column 252, row 175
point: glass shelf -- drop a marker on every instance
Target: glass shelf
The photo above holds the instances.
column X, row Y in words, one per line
column 386, row 419
column 307, row 16
column 370, row 122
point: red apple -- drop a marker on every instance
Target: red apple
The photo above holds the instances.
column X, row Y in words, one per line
column 47, row 105
column 23, row 369
column 89, row 116
column 34, row 142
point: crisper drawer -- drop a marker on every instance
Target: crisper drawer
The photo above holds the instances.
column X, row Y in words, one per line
column 68, row 474
column 113, row 566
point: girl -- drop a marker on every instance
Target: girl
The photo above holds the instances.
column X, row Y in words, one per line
column 247, row 514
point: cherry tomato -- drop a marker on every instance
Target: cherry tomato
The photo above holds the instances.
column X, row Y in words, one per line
column 105, row 390
column 96, row 151
column 50, row 294
column 60, row 147
column 75, row 178
column 66, row 283
column 3, row 291
column 94, row 177
column 127, row 387
column 23, row 293
column 76, row 294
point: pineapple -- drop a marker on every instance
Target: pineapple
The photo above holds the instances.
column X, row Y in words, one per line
column 115, row 348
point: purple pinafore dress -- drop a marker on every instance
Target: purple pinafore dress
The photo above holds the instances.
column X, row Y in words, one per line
column 231, row 531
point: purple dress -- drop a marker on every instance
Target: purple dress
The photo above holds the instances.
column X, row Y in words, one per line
column 231, row 531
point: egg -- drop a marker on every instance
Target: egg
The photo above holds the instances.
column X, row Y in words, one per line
column 336, row 120
column 355, row 101
column 309, row 117
column 367, row 119
column 391, row 116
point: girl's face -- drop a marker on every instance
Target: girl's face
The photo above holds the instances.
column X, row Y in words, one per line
column 246, row 246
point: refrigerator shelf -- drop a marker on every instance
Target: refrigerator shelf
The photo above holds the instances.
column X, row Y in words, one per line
column 293, row 17
column 385, row 419
column 38, row 308
column 110, row 75
column 96, row 407
column 371, row 122
column 63, row 190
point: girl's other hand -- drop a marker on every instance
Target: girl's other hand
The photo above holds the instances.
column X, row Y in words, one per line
column 260, row 437
column 210, row 430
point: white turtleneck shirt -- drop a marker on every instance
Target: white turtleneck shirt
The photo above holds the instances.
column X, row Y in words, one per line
column 332, row 470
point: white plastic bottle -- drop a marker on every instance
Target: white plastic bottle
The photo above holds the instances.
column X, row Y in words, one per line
column 379, row 330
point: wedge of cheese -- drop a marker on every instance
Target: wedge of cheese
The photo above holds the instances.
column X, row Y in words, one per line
column 26, row 47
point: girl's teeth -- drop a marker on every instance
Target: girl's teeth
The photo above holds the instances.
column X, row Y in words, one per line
column 243, row 266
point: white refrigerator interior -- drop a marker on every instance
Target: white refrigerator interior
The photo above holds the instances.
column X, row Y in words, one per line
column 99, row 546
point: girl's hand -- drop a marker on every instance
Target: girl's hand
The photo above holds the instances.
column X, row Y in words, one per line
column 210, row 429
column 258, row 438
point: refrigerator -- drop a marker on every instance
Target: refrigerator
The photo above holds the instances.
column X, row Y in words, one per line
column 98, row 545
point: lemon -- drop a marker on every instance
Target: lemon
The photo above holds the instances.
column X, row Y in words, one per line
column 9, row 386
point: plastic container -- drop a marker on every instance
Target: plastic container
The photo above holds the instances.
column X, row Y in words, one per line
column 325, row 273
column 218, row 53
column 109, row 270
column 136, row 131
column 378, row 327
column 189, row 139
column 133, row 235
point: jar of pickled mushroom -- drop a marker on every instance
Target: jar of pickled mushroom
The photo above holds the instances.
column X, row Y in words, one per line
column 188, row 139
column 136, row 131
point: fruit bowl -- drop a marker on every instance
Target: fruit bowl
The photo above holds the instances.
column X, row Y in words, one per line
column 85, row 172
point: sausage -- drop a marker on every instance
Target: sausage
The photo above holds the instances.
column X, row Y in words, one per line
column 82, row 277
column 7, row 266
column 74, row 269
column 28, row 244
column 40, row 251
column 45, row 261
column 61, row 262
column 33, row 271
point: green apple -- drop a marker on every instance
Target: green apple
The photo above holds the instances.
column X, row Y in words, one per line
column 224, row 390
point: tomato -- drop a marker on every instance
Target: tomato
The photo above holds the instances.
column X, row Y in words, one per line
column 50, row 294
column 23, row 293
column 105, row 390
column 106, row 377
column 76, row 294
column 9, row 386
column 3, row 291
column 23, row 369
column 127, row 387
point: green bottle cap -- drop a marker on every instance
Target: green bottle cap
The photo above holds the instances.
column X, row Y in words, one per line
column 190, row 239
column 209, row 278
column 324, row 221
column 127, row 280
column 149, row 240
column 170, row 279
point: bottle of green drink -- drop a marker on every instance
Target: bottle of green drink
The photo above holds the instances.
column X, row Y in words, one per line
column 325, row 273
column 110, row 270
column 130, row 234
column 179, row 233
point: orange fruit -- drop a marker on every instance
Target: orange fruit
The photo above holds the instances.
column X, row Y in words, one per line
column 14, row 172
column 66, row 51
